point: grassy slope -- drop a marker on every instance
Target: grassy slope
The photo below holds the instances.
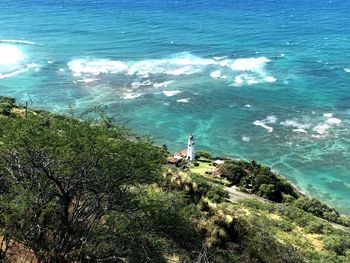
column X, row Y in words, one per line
column 316, row 239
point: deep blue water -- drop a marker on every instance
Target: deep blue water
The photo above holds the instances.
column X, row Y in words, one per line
column 264, row 80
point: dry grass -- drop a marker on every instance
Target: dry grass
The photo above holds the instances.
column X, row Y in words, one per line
column 17, row 253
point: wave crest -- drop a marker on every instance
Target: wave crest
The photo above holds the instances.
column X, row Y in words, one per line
column 252, row 70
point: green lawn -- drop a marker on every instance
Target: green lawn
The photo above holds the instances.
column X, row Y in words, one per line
column 202, row 168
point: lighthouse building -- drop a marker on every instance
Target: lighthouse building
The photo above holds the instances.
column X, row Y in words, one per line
column 191, row 154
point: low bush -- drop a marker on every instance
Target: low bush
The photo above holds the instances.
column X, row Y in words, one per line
column 339, row 244
column 217, row 194
column 6, row 105
column 317, row 208
column 203, row 154
column 257, row 179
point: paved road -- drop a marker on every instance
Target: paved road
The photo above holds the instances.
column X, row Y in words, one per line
column 236, row 194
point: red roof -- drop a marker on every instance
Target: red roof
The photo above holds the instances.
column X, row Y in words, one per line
column 183, row 152
column 173, row 160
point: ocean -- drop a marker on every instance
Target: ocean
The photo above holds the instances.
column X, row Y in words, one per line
column 258, row 80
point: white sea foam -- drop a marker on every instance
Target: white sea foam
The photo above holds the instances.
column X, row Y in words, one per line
column 163, row 84
column 252, row 81
column 299, row 130
column 321, row 128
column 239, row 80
column 333, row 121
column 183, row 63
column 262, row 124
column 216, row 74
column 33, row 66
column 188, row 70
column 11, row 74
column 138, row 84
column 250, row 64
column 247, row 106
column 178, row 65
column 270, row 79
column 347, row 70
column 96, row 67
column 170, row 93
column 245, row 138
column 295, row 124
column 268, row 120
column 219, row 58
column 87, row 80
column 13, row 41
column 328, row 115
column 131, row 96
column 187, row 100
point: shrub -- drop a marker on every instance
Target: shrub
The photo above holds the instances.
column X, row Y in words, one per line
column 6, row 105
column 65, row 178
column 338, row 244
column 317, row 208
column 288, row 199
column 204, row 154
column 217, row 194
column 267, row 191
column 233, row 171
column 258, row 179
column 201, row 185
column 9, row 100
column 5, row 109
column 315, row 227
column 195, row 163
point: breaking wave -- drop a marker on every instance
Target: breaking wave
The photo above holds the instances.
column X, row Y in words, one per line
column 170, row 93
column 242, row 71
column 268, row 120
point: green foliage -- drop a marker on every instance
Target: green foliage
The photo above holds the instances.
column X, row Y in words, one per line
column 63, row 180
column 340, row 244
column 9, row 100
column 316, row 227
column 218, row 194
column 195, row 163
column 6, row 105
column 287, row 199
column 261, row 246
column 257, row 179
column 76, row 191
column 159, row 227
column 203, row 187
column 203, row 154
column 318, row 209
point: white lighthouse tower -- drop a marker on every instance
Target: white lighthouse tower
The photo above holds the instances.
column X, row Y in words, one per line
column 191, row 154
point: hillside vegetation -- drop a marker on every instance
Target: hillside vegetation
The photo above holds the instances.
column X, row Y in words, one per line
column 92, row 191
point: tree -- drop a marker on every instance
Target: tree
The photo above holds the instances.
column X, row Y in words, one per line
column 61, row 179
column 6, row 105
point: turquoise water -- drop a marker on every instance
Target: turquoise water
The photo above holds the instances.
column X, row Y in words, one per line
column 258, row 80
